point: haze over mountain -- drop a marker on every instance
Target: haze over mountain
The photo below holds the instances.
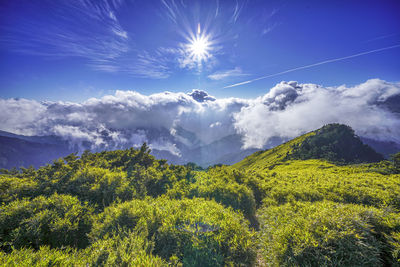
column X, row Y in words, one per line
column 197, row 127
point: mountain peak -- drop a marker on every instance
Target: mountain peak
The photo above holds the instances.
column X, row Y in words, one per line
column 333, row 142
column 337, row 143
column 201, row 96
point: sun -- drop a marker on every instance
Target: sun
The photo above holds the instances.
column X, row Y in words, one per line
column 199, row 47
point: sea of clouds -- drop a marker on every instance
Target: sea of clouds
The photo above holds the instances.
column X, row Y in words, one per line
column 287, row 110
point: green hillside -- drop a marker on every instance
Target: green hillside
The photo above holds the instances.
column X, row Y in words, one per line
column 312, row 201
column 318, row 208
column 266, row 159
column 334, row 142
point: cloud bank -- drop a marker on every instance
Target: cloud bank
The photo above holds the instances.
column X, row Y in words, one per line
column 290, row 109
column 178, row 122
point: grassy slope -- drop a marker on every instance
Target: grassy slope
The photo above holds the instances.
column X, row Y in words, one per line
column 313, row 180
column 317, row 179
column 309, row 212
column 265, row 159
column 315, row 213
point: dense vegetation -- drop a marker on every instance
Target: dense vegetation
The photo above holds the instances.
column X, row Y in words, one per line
column 337, row 143
column 287, row 206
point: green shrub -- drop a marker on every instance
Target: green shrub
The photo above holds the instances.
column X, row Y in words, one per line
column 102, row 178
column 195, row 231
column 12, row 188
column 100, row 186
column 45, row 256
column 221, row 186
column 131, row 250
column 328, row 234
column 57, row 221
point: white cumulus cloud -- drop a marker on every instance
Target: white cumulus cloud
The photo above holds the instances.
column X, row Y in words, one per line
column 179, row 122
column 290, row 109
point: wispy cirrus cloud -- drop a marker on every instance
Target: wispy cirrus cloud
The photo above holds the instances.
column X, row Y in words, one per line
column 104, row 35
column 85, row 29
column 172, row 9
column 60, row 32
column 269, row 28
column 153, row 66
column 225, row 74
column 237, row 10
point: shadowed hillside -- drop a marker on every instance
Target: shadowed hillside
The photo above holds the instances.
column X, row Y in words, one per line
column 335, row 143
column 17, row 152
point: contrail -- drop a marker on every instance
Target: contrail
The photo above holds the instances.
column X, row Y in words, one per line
column 313, row 65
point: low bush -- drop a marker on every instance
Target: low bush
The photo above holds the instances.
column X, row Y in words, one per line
column 57, row 221
column 196, row 232
column 132, row 250
column 328, row 234
column 12, row 188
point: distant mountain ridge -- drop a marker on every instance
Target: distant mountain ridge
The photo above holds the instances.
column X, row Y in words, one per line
column 49, row 139
column 18, row 152
column 23, row 151
column 386, row 148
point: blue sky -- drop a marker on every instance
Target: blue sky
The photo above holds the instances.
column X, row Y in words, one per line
column 74, row 50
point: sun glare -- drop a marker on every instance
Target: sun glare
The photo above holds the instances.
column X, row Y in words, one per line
column 199, row 47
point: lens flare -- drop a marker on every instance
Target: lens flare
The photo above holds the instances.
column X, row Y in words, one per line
column 199, row 46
